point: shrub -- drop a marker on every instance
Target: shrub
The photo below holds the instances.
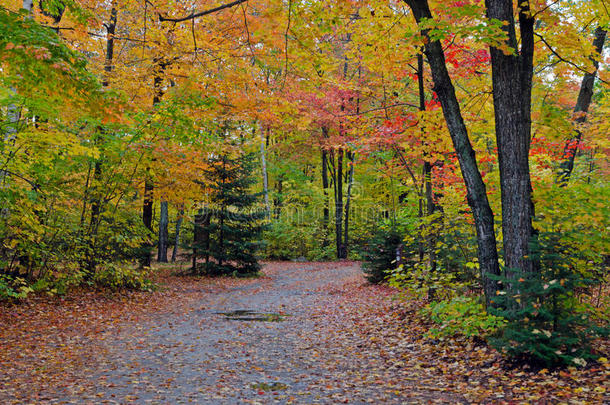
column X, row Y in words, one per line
column 13, row 288
column 461, row 316
column 123, row 277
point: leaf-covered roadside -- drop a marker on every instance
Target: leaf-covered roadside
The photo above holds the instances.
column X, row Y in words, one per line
column 372, row 322
column 52, row 342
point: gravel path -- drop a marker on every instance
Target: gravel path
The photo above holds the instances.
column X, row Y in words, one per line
column 290, row 341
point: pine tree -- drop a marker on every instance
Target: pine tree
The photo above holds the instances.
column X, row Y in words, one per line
column 228, row 238
column 546, row 322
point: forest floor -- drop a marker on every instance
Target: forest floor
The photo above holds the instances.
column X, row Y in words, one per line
column 317, row 333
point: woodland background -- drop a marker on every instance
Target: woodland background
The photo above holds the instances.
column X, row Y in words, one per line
column 113, row 111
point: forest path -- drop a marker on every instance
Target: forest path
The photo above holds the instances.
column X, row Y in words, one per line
column 304, row 345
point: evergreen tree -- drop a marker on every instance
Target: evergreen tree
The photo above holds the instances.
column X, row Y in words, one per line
column 227, row 234
column 547, row 324
column 381, row 253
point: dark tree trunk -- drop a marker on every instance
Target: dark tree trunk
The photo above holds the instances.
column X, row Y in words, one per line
column 197, row 232
column 221, row 219
column 147, row 207
column 147, row 214
column 201, row 237
column 94, row 220
column 475, row 187
column 422, row 107
column 512, row 87
column 206, row 234
column 277, row 201
column 264, row 171
column 179, row 220
column 338, row 182
column 163, row 232
column 348, row 200
column 111, row 30
column 580, row 110
column 427, row 183
column 98, row 168
column 325, row 186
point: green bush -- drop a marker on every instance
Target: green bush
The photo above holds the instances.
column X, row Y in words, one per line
column 461, row 316
column 123, row 277
column 13, row 288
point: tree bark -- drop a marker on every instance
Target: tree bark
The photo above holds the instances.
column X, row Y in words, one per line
column 96, row 200
column 512, row 87
column 13, row 115
column 475, row 187
column 350, row 156
column 277, row 201
column 163, row 232
column 221, row 220
column 580, row 110
column 179, row 220
column 264, row 168
column 147, row 214
column 427, row 175
column 325, row 186
column 149, row 185
column 197, row 233
column 338, row 182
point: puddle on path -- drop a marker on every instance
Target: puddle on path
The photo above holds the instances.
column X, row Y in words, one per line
column 253, row 316
column 276, row 386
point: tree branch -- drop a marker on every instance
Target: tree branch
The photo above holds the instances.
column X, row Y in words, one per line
column 201, row 14
column 561, row 58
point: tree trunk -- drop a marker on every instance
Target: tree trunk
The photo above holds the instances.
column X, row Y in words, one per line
column 197, row 232
column 325, row 186
column 475, row 187
column 96, row 199
column 222, row 212
column 206, row 234
column 163, row 233
column 427, row 177
column 13, row 116
column 179, row 220
column 277, row 201
column 350, row 156
column 147, row 214
column 422, row 107
column 264, row 167
column 338, row 181
column 512, row 85
column 580, row 110
column 147, row 207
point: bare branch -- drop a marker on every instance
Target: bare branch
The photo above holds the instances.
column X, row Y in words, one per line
column 202, row 13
